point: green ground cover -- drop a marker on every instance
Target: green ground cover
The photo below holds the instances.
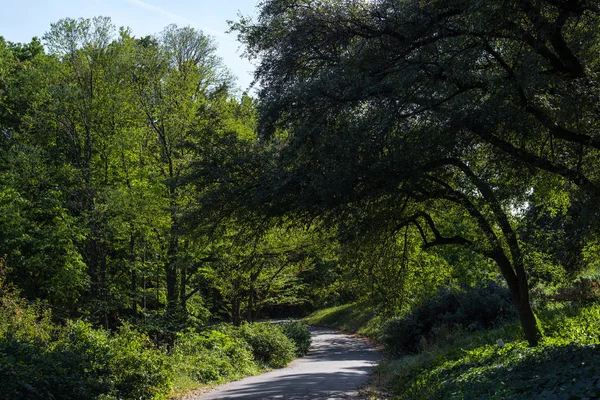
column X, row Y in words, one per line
column 458, row 363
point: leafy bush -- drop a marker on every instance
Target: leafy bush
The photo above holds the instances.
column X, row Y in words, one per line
column 269, row 344
column 450, row 309
column 564, row 365
column 138, row 370
column 41, row 360
column 571, row 322
column 212, row 356
column 299, row 333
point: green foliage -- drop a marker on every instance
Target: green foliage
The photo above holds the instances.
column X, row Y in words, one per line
column 466, row 308
column 580, row 290
column 571, row 322
column 269, row 344
column 564, row 365
column 299, row 333
column 133, row 186
column 547, row 372
column 42, row 360
column 211, row 356
column 229, row 352
column 397, row 118
column 391, row 271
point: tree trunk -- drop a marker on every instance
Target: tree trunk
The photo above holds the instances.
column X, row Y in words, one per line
column 236, row 315
column 528, row 321
column 171, row 275
column 172, row 252
column 183, row 288
column 134, row 303
column 513, row 272
column 251, row 316
column 183, row 280
column 519, row 291
column 250, row 313
column 92, row 265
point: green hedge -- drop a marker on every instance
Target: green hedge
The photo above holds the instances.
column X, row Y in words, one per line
column 299, row 333
column 269, row 344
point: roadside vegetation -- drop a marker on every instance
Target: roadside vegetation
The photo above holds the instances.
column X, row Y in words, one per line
column 463, row 343
column 74, row 360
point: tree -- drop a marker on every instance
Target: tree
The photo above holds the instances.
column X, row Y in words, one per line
column 400, row 108
column 39, row 234
column 184, row 92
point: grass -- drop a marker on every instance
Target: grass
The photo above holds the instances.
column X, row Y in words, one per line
column 354, row 318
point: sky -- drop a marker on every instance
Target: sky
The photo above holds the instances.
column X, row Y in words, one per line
column 21, row 20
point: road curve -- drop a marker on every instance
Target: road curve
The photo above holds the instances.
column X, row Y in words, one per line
column 335, row 367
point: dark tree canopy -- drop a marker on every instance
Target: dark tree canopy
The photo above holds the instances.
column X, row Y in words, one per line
column 408, row 109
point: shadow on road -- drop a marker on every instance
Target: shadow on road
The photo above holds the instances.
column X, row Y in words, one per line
column 315, row 386
column 336, row 366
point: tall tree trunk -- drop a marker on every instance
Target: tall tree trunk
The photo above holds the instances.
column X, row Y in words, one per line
column 183, row 278
column 236, row 313
column 171, row 275
column 512, row 269
column 134, row 302
column 92, row 266
column 251, row 316
column 171, row 269
column 250, row 311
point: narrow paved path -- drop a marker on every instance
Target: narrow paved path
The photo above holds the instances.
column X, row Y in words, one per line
column 336, row 366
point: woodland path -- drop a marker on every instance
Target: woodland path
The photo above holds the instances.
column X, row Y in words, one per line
column 336, row 366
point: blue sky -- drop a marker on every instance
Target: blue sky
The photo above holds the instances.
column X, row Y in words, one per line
column 20, row 20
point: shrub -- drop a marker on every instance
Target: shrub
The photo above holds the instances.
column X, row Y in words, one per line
column 299, row 333
column 138, row 370
column 571, row 322
column 269, row 345
column 450, row 309
column 41, row 360
column 564, row 365
column 212, row 356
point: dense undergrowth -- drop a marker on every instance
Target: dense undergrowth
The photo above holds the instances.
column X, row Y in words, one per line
column 434, row 353
column 40, row 359
column 475, row 366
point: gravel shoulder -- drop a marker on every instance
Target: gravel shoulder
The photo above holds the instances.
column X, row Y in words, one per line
column 336, row 366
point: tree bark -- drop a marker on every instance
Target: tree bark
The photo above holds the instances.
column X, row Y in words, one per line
column 512, row 268
column 171, row 275
column 134, row 302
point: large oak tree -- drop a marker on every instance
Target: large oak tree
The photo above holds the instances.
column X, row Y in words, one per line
column 407, row 109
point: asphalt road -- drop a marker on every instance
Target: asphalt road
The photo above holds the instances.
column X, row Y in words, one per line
column 335, row 367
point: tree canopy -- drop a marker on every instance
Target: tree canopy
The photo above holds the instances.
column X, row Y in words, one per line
column 403, row 113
